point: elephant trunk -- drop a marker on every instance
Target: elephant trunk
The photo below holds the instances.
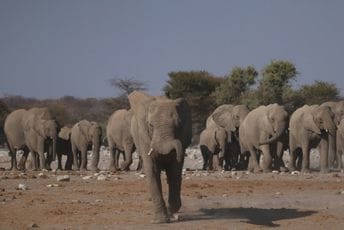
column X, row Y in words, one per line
column 54, row 148
column 167, row 147
column 331, row 130
column 277, row 134
column 96, row 149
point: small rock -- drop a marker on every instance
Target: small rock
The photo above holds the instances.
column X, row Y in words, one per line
column 101, row 177
column 142, row 175
column 63, row 178
column 275, row 171
column 176, row 217
column 22, row 187
column 234, row 173
column 32, row 225
column 53, row 185
column 42, row 175
column 87, row 177
column 96, row 174
column 278, row 193
column 76, row 201
column 224, row 195
column 295, row 173
column 238, row 177
column 99, row 201
column 187, row 178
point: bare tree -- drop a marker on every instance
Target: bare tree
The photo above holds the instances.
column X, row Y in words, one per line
column 127, row 85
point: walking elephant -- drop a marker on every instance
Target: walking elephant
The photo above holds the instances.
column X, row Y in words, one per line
column 119, row 139
column 229, row 118
column 338, row 110
column 213, row 140
column 162, row 130
column 85, row 135
column 64, row 147
column 33, row 130
column 340, row 144
column 261, row 130
column 311, row 127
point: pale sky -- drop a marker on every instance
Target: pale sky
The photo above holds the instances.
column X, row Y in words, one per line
column 52, row 48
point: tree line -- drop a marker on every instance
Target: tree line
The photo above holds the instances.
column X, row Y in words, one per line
column 203, row 91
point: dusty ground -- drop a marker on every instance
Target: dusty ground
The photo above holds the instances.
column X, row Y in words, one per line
column 211, row 200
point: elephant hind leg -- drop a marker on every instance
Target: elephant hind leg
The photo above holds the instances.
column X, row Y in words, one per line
column 206, row 156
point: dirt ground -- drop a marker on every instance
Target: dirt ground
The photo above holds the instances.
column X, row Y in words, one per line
column 211, row 200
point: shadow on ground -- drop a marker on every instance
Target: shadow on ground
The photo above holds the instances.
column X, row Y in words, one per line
column 255, row 216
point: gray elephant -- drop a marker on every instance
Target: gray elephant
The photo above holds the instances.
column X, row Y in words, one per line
column 119, row 139
column 311, row 127
column 338, row 109
column 64, row 147
column 213, row 141
column 229, row 118
column 260, row 131
column 340, row 144
column 162, row 130
column 34, row 131
column 85, row 135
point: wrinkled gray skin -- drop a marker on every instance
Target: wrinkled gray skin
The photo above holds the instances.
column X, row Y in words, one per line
column 162, row 130
column 64, row 147
column 311, row 127
column 229, row 118
column 338, row 109
column 260, row 130
column 85, row 136
column 213, row 140
column 34, row 131
column 340, row 144
column 119, row 139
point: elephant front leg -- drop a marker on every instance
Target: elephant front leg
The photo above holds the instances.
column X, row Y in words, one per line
column 266, row 158
column 305, row 158
column 128, row 158
column 75, row 158
column 174, row 180
column 253, row 165
column 324, row 149
column 83, row 164
column 113, row 158
column 152, row 172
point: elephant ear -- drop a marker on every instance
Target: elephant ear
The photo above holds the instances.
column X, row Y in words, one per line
column 139, row 104
column 65, row 133
column 224, row 119
column 84, row 127
column 309, row 123
column 185, row 129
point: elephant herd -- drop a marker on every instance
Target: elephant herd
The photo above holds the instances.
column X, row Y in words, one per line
column 236, row 138
column 160, row 130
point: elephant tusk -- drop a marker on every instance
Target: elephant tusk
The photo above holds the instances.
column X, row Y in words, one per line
column 150, row 152
column 326, row 130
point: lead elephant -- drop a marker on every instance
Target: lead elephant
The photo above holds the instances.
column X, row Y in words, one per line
column 311, row 127
column 338, row 110
column 261, row 130
column 33, row 130
column 85, row 135
column 162, row 130
column 119, row 139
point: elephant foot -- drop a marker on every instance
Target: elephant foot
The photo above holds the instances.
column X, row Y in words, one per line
column 325, row 170
column 267, row 170
column 160, row 220
column 283, row 169
column 305, row 171
column 95, row 169
column 113, row 169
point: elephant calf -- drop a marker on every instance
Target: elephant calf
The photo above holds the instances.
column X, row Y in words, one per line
column 85, row 136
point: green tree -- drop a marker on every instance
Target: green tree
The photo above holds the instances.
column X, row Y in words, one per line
column 235, row 87
column 197, row 88
column 318, row 92
column 276, row 80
